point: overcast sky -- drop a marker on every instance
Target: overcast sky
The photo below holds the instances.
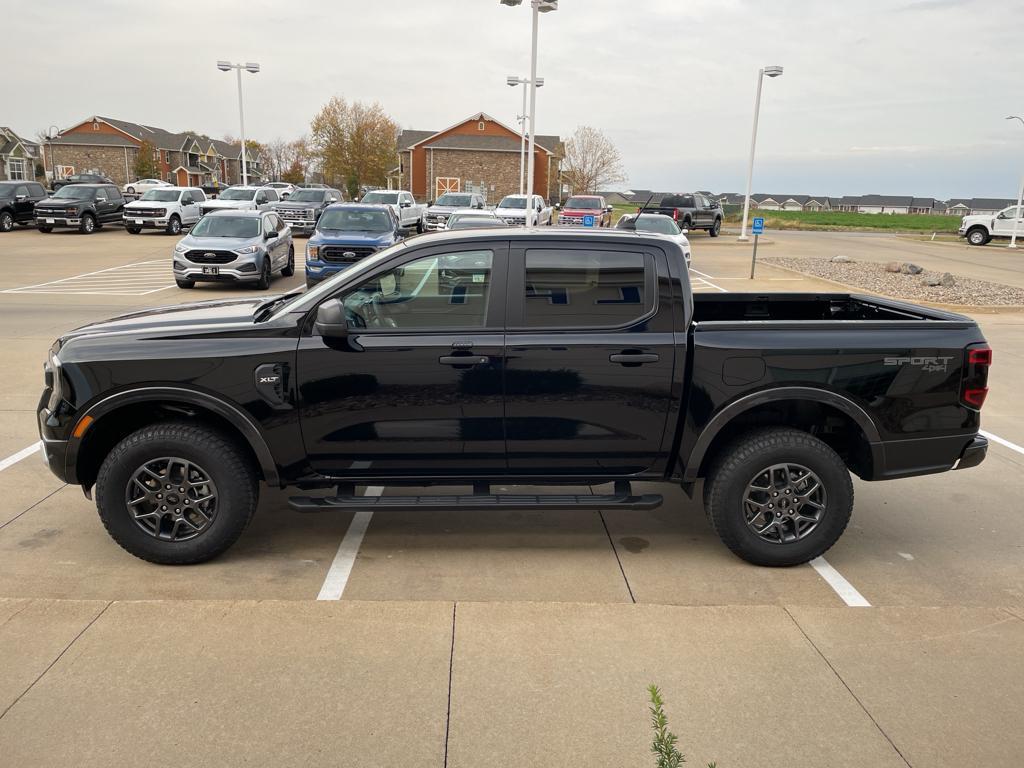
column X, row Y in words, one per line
column 897, row 97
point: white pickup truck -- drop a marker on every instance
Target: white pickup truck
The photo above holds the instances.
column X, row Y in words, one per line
column 980, row 229
column 513, row 209
column 167, row 208
column 411, row 215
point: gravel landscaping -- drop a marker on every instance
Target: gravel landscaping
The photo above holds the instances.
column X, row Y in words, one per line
column 883, row 279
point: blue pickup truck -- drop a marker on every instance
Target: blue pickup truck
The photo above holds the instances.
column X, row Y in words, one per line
column 347, row 233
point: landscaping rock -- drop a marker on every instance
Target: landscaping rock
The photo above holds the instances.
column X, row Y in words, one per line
column 910, row 269
column 934, row 280
column 841, row 259
column 893, row 266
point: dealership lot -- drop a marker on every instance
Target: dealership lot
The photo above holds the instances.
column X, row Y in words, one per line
column 448, row 622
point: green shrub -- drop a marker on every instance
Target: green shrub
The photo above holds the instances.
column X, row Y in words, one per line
column 664, row 744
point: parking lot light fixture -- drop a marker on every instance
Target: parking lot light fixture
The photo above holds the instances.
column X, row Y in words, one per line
column 252, row 67
column 513, row 81
column 773, row 70
column 1020, row 195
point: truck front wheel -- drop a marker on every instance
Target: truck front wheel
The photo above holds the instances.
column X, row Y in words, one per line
column 715, row 228
column 778, row 497
column 977, row 236
column 176, row 493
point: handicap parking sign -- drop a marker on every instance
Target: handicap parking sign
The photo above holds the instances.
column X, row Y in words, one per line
column 588, row 221
column 758, row 228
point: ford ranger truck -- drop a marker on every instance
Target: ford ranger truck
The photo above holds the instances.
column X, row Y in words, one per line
column 482, row 358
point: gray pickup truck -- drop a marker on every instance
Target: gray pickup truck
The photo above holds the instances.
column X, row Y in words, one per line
column 301, row 211
column 691, row 211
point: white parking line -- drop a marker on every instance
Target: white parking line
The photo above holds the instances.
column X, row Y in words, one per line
column 24, row 453
column 337, row 575
column 842, row 587
column 703, row 280
column 1002, row 442
column 137, row 279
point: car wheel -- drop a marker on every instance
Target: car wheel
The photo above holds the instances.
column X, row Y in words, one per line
column 289, row 268
column 45, row 229
column 977, row 236
column 130, row 190
column 133, row 230
column 6, row 221
column 174, row 226
column 715, row 228
column 176, row 493
column 185, row 283
column 264, row 282
column 778, row 497
column 420, row 227
column 88, row 225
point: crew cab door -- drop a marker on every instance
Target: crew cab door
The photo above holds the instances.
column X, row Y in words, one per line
column 589, row 358
column 415, row 388
column 1004, row 222
column 406, row 212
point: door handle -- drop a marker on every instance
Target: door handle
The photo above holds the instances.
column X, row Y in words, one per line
column 634, row 358
column 466, row 360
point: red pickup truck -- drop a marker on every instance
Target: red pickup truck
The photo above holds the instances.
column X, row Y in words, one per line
column 585, row 211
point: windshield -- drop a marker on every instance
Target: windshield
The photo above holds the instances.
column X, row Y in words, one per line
column 513, row 202
column 355, row 220
column 227, row 226
column 238, row 194
column 585, row 203
column 307, row 196
column 161, row 195
column 454, row 200
column 74, row 193
column 391, row 198
column 658, row 224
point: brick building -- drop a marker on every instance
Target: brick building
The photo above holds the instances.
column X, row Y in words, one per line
column 478, row 154
column 109, row 146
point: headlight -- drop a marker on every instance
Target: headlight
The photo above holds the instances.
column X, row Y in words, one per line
column 70, row 211
column 161, row 212
column 248, row 249
column 180, row 248
column 312, row 251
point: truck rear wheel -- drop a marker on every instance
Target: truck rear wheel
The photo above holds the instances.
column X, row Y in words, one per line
column 778, row 497
column 176, row 493
column 977, row 236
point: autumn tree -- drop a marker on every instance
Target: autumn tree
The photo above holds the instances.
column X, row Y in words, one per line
column 354, row 144
column 591, row 161
column 295, row 173
column 145, row 161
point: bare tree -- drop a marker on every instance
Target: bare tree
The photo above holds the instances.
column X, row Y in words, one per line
column 354, row 144
column 591, row 161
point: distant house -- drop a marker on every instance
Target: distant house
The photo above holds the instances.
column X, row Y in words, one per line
column 18, row 157
column 923, row 205
column 986, row 206
column 885, row 204
column 958, row 207
column 616, row 198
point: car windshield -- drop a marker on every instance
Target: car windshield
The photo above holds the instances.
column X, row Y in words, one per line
column 391, row 198
column 161, row 195
column 74, row 192
column 307, row 196
column 658, row 224
column 355, row 221
column 227, row 226
column 238, row 194
column 584, row 203
column 454, row 200
column 513, row 202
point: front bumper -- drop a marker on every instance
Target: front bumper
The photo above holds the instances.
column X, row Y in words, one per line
column 54, row 451
column 58, row 221
column 132, row 221
column 318, row 271
column 242, row 270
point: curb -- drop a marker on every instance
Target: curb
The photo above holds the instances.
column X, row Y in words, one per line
column 993, row 309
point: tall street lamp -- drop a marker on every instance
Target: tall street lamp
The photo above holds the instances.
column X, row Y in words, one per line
column 1020, row 197
column 539, row 7
column 51, row 133
column 252, row 67
column 771, row 71
column 513, row 81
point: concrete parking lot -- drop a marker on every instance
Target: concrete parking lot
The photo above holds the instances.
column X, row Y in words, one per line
column 513, row 638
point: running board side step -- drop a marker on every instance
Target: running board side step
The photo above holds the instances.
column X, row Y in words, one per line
column 623, row 498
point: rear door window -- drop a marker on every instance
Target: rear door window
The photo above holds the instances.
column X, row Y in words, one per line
column 586, row 288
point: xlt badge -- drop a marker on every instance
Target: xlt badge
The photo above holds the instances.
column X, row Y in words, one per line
column 272, row 385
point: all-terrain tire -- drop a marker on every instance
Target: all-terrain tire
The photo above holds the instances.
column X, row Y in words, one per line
column 977, row 236
column 88, row 225
column 174, row 225
column 289, row 269
column 743, row 461
column 219, row 456
column 715, row 228
column 6, row 221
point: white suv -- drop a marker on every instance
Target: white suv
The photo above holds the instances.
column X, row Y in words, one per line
column 243, row 199
column 166, row 208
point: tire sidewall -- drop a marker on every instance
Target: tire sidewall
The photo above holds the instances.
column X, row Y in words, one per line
column 726, row 503
column 976, row 237
column 6, row 221
column 174, row 226
column 88, row 229
column 234, row 504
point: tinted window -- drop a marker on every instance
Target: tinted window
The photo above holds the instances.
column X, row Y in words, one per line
column 677, row 201
column 161, row 196
column 272, row 195
column 381, row 197
column 198, row 195
column 22, row 190
column 444, row 291
column 356, row 220
column 308, row 196
column 573, row 289
column 37, row 190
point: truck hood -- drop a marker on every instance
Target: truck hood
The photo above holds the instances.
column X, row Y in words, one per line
column 204, row 314
column 511, row 212
column 444, row 208
column 595, row 212
column 229, row 204
column 295, row 206
column 150, row 204
column 978, row 218
column 327, row 237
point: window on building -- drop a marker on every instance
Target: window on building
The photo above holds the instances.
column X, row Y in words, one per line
column 95, row 126
column 16, row 169
column 481, row 126
column 585, row 289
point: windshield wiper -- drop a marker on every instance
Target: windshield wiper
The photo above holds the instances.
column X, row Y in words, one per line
column 267, row 307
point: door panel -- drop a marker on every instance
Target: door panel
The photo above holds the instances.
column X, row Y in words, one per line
column 416, row 387
column 588, row 400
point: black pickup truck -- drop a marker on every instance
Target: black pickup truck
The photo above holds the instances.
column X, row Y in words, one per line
column 690, row 211
column 538, row 357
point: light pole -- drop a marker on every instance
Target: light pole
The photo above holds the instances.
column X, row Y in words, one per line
column 51, row 133
column 252, row 67
column 539, row 7
column 1020, row 197
column 513, row 81
column 771, row 71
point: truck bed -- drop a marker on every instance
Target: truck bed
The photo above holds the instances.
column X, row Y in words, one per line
column 747, row 308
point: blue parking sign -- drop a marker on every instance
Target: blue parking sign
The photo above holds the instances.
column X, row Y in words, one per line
column 758, row 228
column 588, row 221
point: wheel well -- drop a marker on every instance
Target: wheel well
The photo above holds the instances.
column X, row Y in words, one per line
column 113, row 427
column 830, row 425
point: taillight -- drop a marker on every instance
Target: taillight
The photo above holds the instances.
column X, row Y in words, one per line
column 675, row 214
column 974, row 389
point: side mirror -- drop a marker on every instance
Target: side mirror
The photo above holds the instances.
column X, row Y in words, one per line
column 558, row 206
column 332, row 199
column 19, row 198
column 607, row 209
column 406, row 204
column 685, row 231
column 330, row 320
column 101, row 199
column 430, row 202
column 269, row 235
